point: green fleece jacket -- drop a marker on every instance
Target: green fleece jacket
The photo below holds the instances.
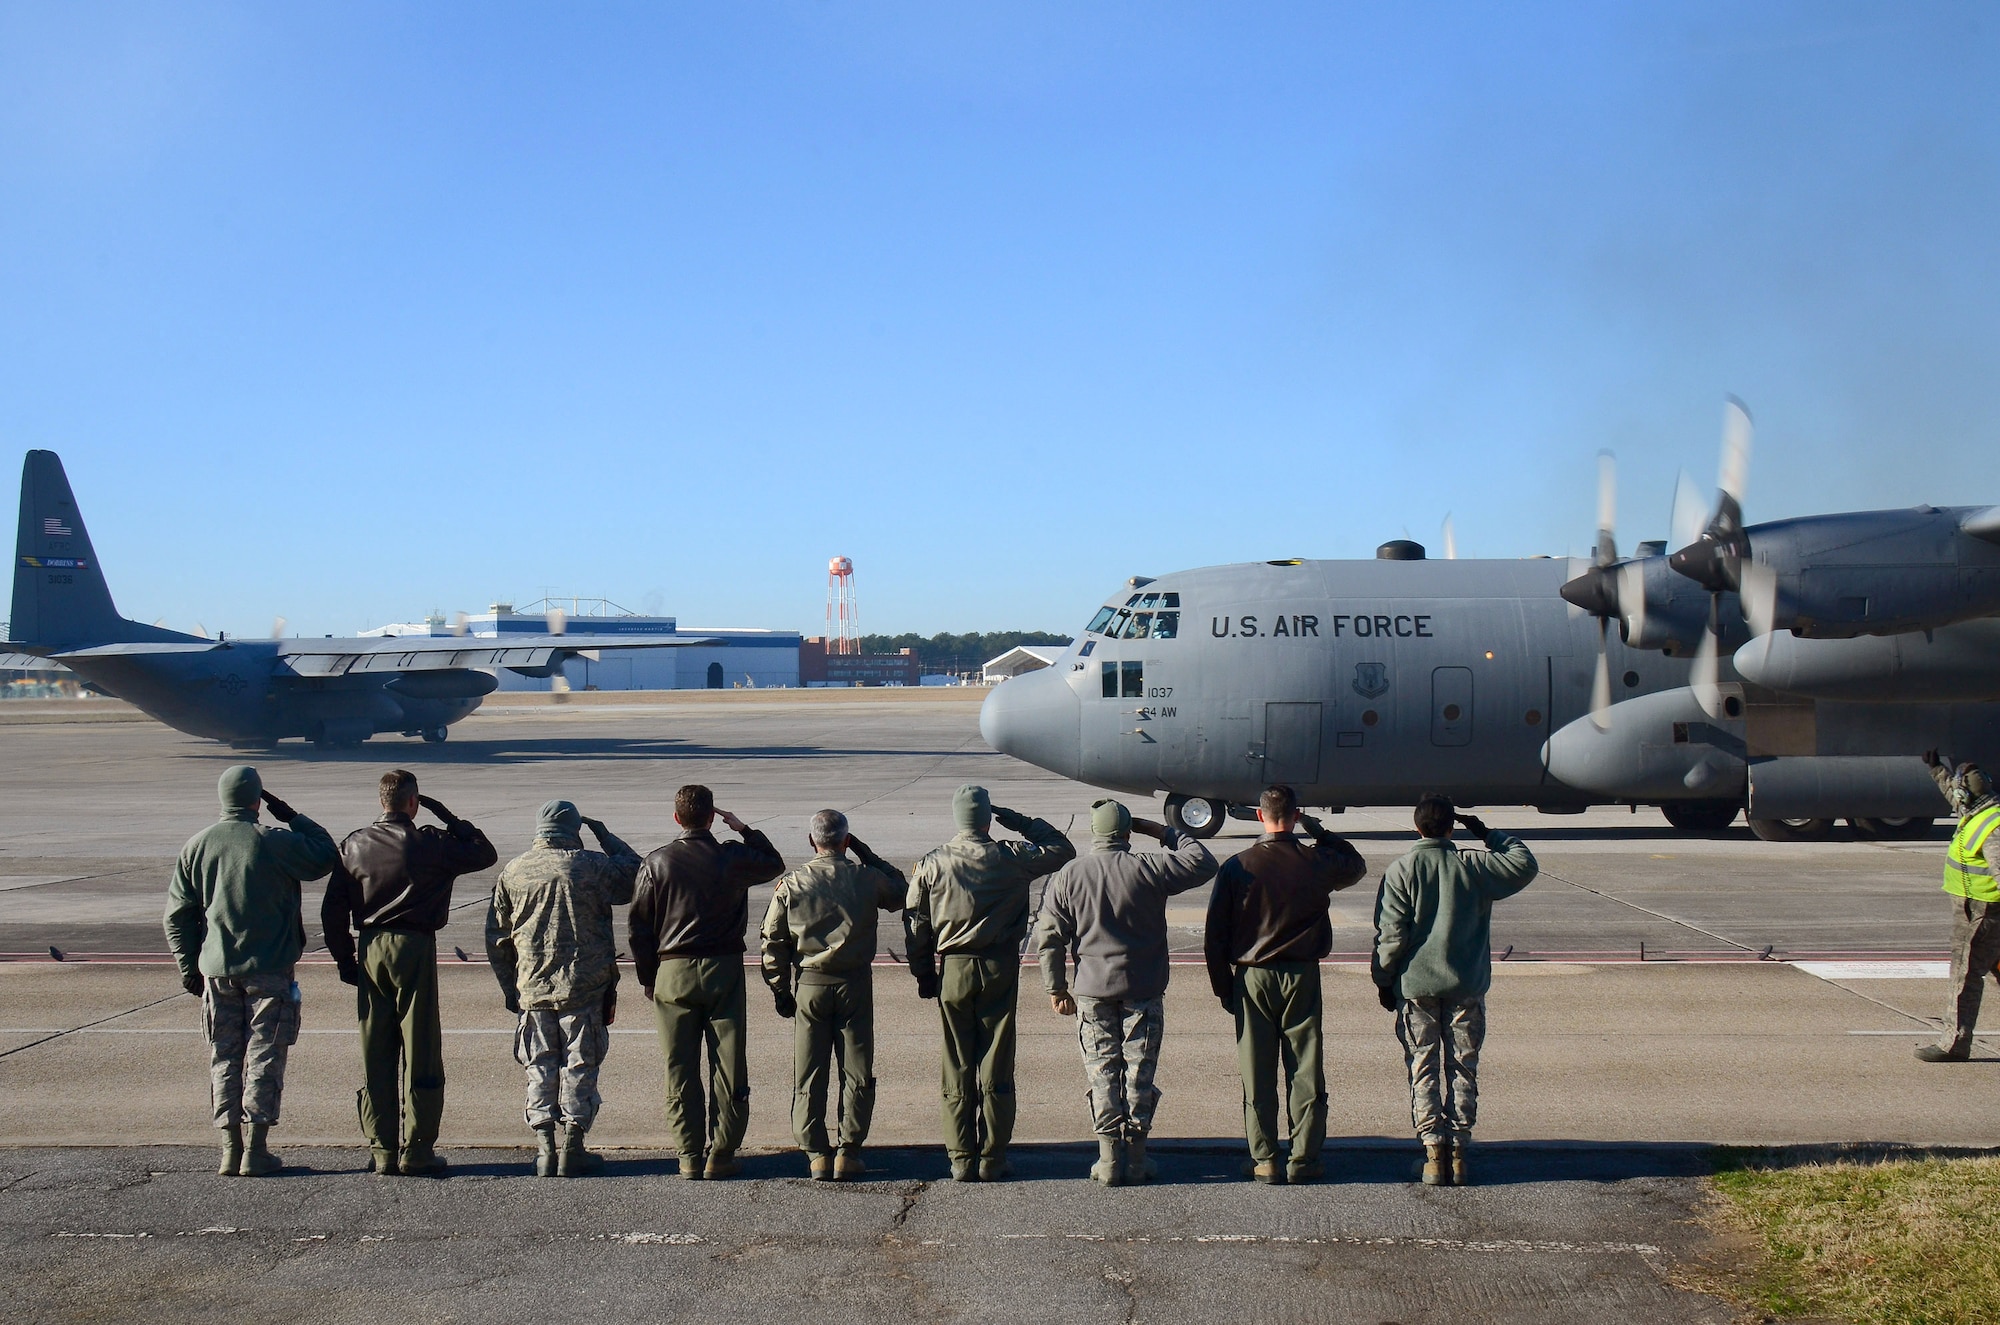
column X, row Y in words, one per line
column 233, row 905
column 1434, row 915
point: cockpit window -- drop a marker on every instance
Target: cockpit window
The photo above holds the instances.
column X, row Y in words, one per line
column 1104, row 614
column 1149, row 600
column 1170, row 600
column 1140, row 626
column 1117, row 627
column 1167, row 625
column 1133, row 601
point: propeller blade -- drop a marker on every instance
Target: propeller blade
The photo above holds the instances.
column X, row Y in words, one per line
column 1736, row 433
column 277, row 628
column 1600, row 683
column 1450, row 539
column 1690, row 512
column 1760, row 597
column 460, row 624
column 1607, row 508
column 1705, row 678
column 558, row 623
column 1632, row 599
column 200, row 630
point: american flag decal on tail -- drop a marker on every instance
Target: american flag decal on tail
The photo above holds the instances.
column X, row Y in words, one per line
column 53, row 527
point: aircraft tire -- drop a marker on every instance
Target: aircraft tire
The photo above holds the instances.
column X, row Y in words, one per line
column 1701, row 816
column 1197, row 816
column 1792, row 830
column 436, row 735
column 1893, row 830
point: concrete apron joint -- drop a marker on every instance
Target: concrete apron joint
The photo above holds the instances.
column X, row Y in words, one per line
column 22, row 1048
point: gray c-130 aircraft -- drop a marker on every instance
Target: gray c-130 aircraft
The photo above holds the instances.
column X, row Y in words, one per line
column 1794, row 670
column 251, row 693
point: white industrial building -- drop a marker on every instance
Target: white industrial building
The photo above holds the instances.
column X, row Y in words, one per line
column 1021, row 658
column 741, row 658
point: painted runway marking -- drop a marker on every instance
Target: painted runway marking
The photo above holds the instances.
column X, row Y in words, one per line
column 1337, row 1240
column 1876, row 970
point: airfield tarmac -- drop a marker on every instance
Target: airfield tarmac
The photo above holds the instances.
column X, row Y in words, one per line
column 1609, row 1071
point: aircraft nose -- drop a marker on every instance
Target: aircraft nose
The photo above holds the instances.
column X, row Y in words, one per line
column 1035, row 717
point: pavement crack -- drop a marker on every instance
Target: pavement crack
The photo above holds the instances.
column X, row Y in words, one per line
column 1123, row 1282
column 911, row 1195
column 57, row 1035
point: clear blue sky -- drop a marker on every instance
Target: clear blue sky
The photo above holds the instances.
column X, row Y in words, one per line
column 348, row 311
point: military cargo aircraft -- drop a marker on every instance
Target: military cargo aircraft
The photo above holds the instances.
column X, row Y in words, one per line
column 251, row 693
column 1794, row 669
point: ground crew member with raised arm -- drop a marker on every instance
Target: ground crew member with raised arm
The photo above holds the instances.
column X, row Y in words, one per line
column 1433, row 965
column 820, row 933
column 550, row 941
column 968, row 904
column 686, row 925
column 393, row 887
column 234, row 927
column 1109, row 910
column 1268, row 930
column 1975, row 902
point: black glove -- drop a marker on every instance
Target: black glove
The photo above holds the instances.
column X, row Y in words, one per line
column 350, row 975
column 927, row 983
column 514, row 1005
column 1931, row 759
column 1011, row 820
column 1386, row 997
column 1312, row 825
column 280, row 811
column 1228, row 1004
column 1474, row 825
column 437, row 808
column 596, row 826
column 859, row 848
column 194, row 984
column 787, row 1003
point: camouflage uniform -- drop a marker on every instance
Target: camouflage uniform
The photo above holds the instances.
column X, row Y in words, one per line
column 233, row 918
column 968, row 903
column 252, row 1022
column 551, row 943
column 822, row 923
column 1121, row 1051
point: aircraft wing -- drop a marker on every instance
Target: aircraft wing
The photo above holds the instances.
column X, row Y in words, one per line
column 432, row 653
column 28, row 662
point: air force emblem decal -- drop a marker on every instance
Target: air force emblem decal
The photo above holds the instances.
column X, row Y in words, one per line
column 1371, row 679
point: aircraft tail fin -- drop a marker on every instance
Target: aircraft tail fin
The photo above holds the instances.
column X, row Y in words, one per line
column 60, row 598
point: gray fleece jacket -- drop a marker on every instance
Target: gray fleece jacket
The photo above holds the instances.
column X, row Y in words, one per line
column 1109, row 910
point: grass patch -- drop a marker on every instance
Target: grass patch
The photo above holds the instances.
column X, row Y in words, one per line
column 1892, row 1240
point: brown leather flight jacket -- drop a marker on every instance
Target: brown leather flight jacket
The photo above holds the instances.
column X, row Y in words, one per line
column 693, row 898
column 394, row 875
column 1270, row 902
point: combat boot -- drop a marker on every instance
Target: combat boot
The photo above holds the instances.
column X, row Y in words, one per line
column 383, row 1162
column 820, row 1167
column 421, row 1161
column 1437, row 1165
column 232, row 1151
column 545, row 1151
column 1138, row 1168
column 722, row 1164
column 1461, row 1170
column 575, row 1161
column 257, row 1157
column 847, row 1165
column 694, row 1167
column 1310, row 1170
column 964, row 1168
column 1270, row 1171
column 995, row 1168
column 1931, row 1053
column 1110, row 1166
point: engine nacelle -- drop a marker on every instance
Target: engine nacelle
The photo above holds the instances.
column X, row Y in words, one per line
column 1877, row 572
column 1661, row 746
column 1950, row 665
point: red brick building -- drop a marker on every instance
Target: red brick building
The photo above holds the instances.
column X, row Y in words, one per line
column 819, row 667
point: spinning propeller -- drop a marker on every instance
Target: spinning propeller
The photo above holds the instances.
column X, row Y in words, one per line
column 1719, row 559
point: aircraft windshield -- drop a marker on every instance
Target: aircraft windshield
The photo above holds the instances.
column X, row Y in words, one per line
column 1139, row 619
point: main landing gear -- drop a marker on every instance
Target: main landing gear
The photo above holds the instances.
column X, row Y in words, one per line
column 1197, row 816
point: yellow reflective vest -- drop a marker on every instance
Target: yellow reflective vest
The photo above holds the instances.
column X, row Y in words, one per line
column 1966, row 873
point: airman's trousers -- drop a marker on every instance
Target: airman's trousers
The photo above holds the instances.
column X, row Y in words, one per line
column 699, row 1000
column 251, row 1022
column 1441, row 1039
column 562, row 1052
column 976, row 997
column 1278, row 1028
column 1975, row 947
column 402, row 1039
column 838, row 1017
column 1120, row 1038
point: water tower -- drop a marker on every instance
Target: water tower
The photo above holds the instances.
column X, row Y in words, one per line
column 843, row 617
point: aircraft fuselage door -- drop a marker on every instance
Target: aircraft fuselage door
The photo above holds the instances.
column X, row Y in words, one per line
column 1291, row 743
column 1451, row 706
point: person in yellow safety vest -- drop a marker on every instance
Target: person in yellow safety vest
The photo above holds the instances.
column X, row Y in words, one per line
column 1975, row 911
